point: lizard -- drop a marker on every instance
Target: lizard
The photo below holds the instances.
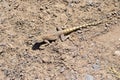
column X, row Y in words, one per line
column 46, row 38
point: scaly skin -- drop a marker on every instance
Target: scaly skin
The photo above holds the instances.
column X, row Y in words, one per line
column 55, row 35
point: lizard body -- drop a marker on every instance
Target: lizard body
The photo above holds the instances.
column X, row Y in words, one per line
column 55, row 35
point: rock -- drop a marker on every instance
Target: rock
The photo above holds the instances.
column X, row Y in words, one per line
column 89, row 77
column 117, row 53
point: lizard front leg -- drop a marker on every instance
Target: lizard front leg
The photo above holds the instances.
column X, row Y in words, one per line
column 38, row 42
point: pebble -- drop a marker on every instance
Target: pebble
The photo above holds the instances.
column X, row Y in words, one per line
column 89, row 77
column 96, row 67
column 117, row 53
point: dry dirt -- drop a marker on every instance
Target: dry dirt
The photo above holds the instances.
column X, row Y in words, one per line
column 91, row 53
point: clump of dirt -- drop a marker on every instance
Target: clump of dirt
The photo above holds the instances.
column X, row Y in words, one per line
column 87, row 54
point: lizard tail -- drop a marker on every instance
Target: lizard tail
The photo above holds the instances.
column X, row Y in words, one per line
column 66, row 31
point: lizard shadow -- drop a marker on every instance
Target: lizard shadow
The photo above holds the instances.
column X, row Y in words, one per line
column 37, row 45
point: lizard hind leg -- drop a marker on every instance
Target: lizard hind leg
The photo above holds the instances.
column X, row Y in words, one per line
column 62, row 36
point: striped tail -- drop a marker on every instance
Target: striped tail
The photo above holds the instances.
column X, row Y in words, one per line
column 66, row 31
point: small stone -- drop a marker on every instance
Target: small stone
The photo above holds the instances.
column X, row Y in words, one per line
column 62, row 69
column 117, row 53
column 96, row 67
column 89, row 77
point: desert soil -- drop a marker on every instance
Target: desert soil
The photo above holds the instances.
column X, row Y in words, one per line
column 91, row 53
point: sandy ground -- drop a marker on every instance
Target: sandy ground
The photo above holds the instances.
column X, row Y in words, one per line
column 91, row 53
